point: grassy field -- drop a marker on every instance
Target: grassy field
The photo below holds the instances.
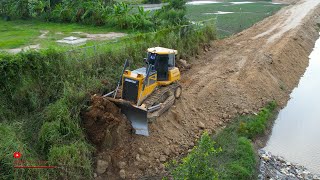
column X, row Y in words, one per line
column 243, row 16
column 20, row 33
column 16, row 34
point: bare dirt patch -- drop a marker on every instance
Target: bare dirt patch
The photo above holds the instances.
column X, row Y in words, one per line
column 235, row 76
column 43, row 34
column 110, row 131
column 102, row 118
column 107, row 36
column 26, row 48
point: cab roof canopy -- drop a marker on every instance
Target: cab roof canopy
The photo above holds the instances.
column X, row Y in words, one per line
column 161, row 50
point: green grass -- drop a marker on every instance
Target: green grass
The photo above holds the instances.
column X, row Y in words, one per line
column 14, row 34
column 20, row 33
column 227, row 24
column 233, row 155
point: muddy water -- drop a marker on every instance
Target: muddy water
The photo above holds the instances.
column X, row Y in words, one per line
column 296, row 132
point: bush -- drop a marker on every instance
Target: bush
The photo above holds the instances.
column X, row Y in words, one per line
column 236, row 158
column 172, row 14
column 198, row 164
column 244, row 163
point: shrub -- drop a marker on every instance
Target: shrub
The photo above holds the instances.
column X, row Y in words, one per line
column 237, row 160
column 172, row 14
column 198, row 164
column 244, row 163
column 142, row 20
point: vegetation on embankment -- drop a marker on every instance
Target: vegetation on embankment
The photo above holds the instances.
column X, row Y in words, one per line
column 43, row 93
column 229, row 154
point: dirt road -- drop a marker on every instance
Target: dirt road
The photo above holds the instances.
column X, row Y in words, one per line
column 235, row 76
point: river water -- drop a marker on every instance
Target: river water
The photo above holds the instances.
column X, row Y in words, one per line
column 296, row 132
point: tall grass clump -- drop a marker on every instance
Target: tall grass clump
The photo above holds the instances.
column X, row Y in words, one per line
column 197, row 165
column 44, row 93
column 229, row 154
column 252, row 126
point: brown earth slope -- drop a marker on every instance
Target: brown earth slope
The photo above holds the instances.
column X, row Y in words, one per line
column 237, row 75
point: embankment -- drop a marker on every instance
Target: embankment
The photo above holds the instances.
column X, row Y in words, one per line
column 238, row 75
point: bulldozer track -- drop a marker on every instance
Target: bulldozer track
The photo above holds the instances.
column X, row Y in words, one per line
column 158, row 94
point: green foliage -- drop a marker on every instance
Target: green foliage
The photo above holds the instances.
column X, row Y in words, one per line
column 142, row 20
column 96, row 12
column 256, row 125
column 9, row 143
column 14, row 8
column 73, row 163
column 172, row 14
column 240, row 160
column 236, row 158
column 49, row 135
column 121, row 16
column 198, row 164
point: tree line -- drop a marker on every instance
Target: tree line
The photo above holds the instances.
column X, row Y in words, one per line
column 95, row 12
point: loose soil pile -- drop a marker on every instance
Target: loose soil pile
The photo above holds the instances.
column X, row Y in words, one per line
column 235, row 76
column 102, row 119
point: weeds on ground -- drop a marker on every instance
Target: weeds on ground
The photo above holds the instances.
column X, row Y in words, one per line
column 229, row 154
column 197, row 165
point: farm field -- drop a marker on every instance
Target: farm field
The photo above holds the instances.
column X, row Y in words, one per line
column 232, row 18
column 22, row 33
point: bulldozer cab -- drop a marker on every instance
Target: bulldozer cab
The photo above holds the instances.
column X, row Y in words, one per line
column 161, row 59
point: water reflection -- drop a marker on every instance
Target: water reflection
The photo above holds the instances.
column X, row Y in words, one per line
column 296, row 133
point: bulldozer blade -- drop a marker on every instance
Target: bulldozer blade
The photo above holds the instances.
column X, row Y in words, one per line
column 137, row 117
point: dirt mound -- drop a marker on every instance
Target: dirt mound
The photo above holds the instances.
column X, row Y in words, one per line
column 102, row 121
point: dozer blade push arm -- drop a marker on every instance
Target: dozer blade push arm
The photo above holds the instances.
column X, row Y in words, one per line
column 126, row 64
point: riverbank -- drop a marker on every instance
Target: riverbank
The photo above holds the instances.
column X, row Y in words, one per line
column 281, row 57
column 276, row 167
column 229, row 154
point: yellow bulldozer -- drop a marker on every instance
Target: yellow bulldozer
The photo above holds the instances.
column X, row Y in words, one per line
column 145, row 93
